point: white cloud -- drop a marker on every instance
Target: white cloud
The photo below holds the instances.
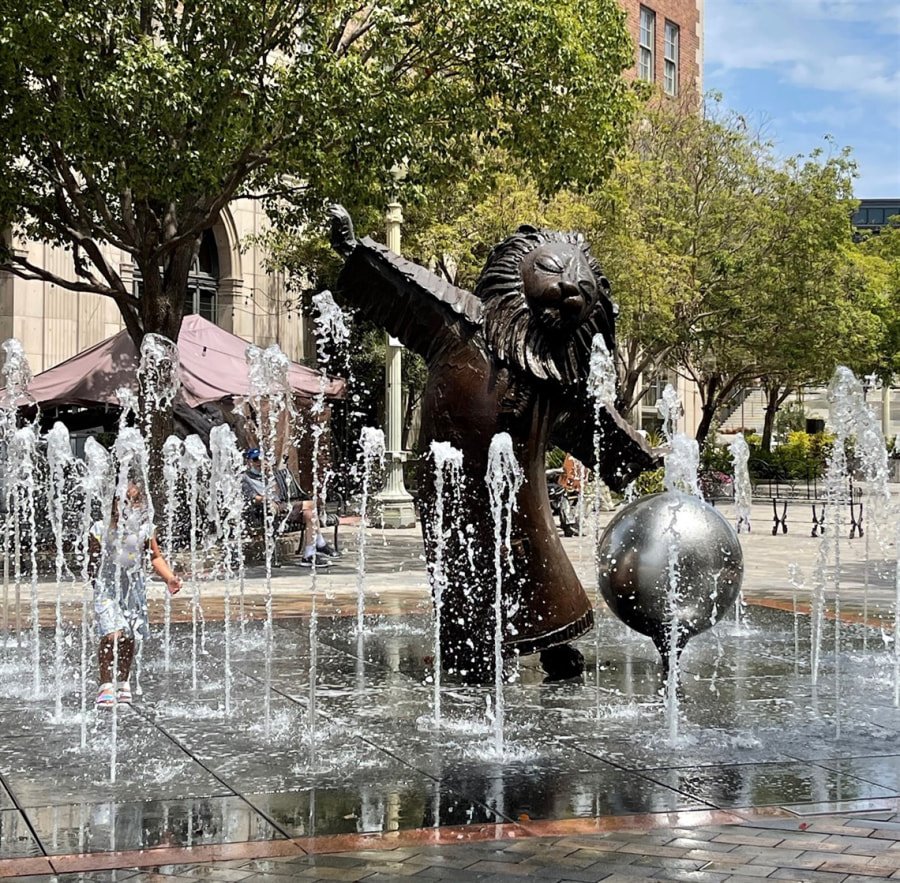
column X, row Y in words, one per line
column 813, row 67
column 830, row 45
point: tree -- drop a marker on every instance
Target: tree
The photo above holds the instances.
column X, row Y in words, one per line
column 132, row 124
column 816, row 314
column 876, row 262
column 679, row 238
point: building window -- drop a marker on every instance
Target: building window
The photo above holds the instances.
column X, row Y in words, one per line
column 646, row 42
column 203, row 283
column 655, row 389
column 202, row 293
column 670, row 59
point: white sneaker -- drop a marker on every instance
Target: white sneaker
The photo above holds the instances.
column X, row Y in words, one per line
column 320, row 561
column 124, row 693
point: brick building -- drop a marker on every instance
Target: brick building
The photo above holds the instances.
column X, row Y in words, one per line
column 668, row 38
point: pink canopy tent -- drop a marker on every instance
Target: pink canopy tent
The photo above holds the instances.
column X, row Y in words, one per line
column 213, row 367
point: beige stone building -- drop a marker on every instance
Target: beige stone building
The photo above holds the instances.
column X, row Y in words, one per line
column 228, row 285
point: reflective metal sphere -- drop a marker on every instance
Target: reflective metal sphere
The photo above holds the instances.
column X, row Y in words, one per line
column 655, row 536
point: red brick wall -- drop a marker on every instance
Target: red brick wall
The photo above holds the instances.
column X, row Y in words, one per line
column 686, row 15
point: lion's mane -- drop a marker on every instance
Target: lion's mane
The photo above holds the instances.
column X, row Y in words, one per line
column 511, row 330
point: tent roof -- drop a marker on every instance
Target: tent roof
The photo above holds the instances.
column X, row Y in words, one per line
column 213, row 366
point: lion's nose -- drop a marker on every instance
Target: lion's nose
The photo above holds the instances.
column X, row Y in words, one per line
column 571, row 299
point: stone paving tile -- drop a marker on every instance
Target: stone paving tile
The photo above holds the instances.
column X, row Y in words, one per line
column 808, row 876
column 669, row 864
column 808, row 839
column 515, row 869
column 859, row 845
column 641, row 848
column 689, row 842
column 628, row 875
column 773, row 855
column 851, row 865
column 742, row 868
column 706, row 855
column 755, row 838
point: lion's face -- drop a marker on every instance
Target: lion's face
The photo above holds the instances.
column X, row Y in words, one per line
column 544, row 298
column 559, row 285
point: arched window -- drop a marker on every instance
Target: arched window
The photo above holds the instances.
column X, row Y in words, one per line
column 203, row 281
column 202, row 292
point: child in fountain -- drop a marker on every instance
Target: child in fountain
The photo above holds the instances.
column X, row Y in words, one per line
column 118, row 552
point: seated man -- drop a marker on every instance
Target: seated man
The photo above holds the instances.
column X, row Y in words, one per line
column 302, row 513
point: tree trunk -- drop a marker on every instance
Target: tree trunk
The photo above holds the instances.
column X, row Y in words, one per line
column 772, row 405
column 708, row 409
column 161, row 310
column 706, row 421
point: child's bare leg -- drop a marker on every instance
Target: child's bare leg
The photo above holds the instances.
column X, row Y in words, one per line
column 105, row 656
column 126, row 657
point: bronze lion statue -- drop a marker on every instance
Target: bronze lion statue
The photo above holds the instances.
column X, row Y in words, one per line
column 511, row 357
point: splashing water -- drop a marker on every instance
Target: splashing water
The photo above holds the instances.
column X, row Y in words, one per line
column 743, row 492
column 130, row 451
column 159, row 378
column 23, row 454
column 673, row 600
column 682, row 466
column 16, row 371
column 671, row 410
column 844, row 391
column 172, row 458
column 197, row 470
column 504, row 478
column 448, row 463
column 97, row 484
column 681, row 476
column 331, row 330
column 602, row 389
column 158, row 374
column 601, row 383
column 371, row 444
column 270, row 393
column 226, row 508
column 16, row 375
column 59, row 457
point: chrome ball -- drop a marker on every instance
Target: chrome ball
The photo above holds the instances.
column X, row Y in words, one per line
column 666, row 553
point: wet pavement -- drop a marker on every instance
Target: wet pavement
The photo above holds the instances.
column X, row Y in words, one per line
column 595, row 777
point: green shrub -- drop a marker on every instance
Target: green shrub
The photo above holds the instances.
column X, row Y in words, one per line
column 650, row 482
column 801, row 457
column 554, row 458
column 715, row 458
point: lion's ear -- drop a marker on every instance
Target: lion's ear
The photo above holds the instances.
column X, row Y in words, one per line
column 527, row 229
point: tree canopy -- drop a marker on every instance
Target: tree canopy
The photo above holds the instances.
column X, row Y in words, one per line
column 132, row 123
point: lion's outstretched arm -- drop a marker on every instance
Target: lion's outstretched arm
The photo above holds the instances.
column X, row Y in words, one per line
column 414, row 305
column 624, row 454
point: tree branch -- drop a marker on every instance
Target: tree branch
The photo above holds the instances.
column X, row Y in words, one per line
column 24, row 269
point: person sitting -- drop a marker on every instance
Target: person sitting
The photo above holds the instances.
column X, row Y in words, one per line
column 300, row 514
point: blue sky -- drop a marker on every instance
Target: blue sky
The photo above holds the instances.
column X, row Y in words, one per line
column 806, row 68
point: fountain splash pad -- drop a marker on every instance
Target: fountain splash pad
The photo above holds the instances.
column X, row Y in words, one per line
column 754, row 731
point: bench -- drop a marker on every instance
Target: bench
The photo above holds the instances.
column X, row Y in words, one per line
column 290, row 491
column 811, row 492
column 781, row 493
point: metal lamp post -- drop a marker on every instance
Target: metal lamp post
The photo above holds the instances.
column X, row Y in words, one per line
column 397, row 504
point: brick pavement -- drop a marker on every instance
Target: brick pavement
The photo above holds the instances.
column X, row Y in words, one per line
column 753, row 846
